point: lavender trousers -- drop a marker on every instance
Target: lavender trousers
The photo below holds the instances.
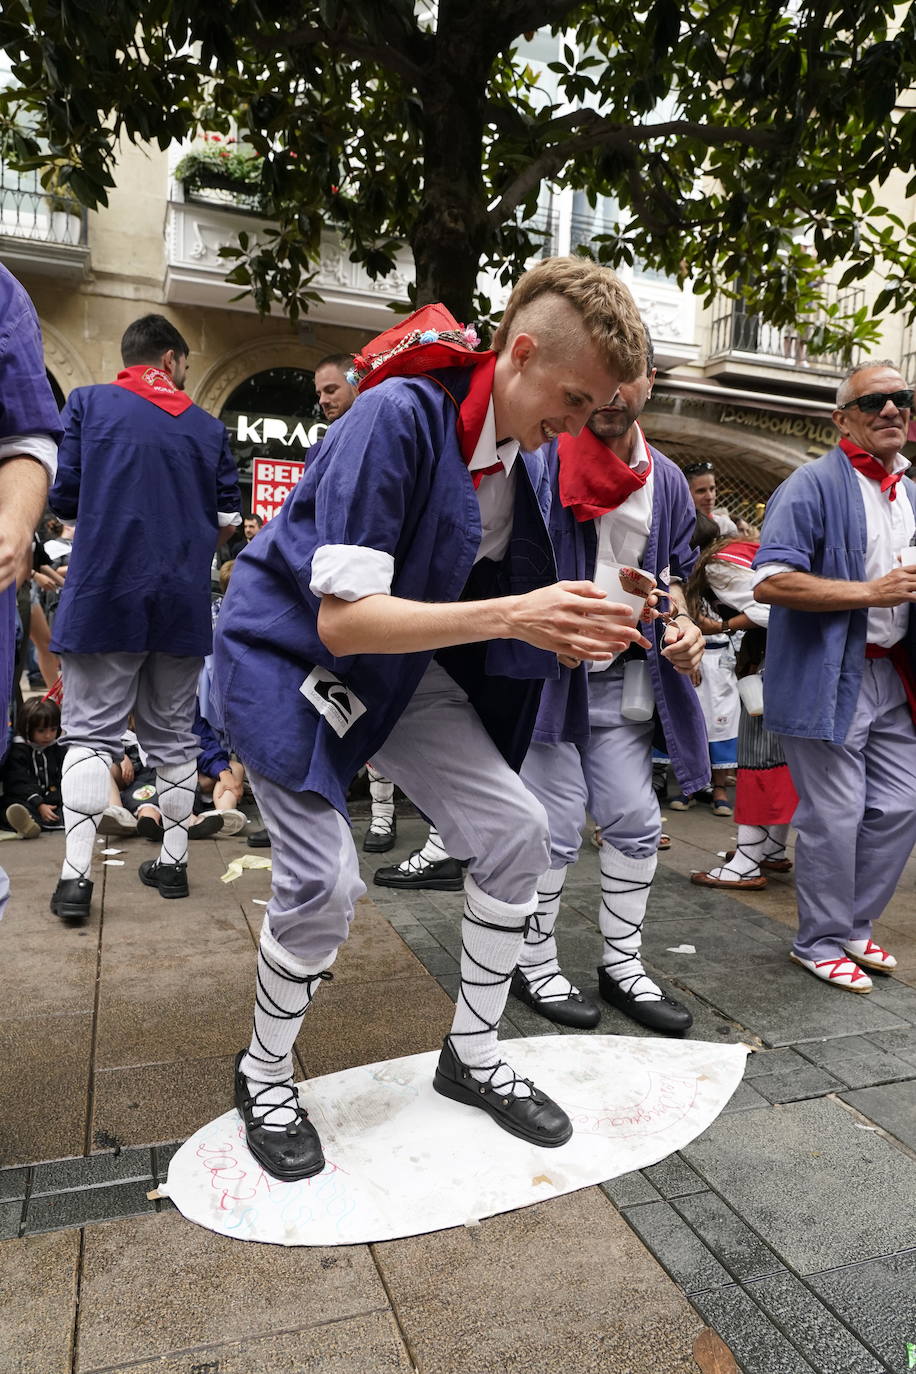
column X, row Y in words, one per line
column 611, row 776
column 856, row 816
column 440, row 755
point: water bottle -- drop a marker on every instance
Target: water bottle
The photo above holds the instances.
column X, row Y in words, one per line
column 638, row 700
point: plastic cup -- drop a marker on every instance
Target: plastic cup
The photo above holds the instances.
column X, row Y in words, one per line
column 631, row 586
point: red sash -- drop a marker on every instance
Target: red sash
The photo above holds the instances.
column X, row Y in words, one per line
column 154, row 385
column 593, row 480
column 898, row 656
column 869, row 466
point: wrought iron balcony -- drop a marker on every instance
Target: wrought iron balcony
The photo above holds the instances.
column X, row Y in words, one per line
column 40, row 232
column 735, row 332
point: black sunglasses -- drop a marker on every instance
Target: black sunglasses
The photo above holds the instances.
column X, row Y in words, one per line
column 875, row 401
column 694, row 469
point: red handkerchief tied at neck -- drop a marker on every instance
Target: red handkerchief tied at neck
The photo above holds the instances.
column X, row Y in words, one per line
column 593, row 480
column 154, row 385
column 869, row 466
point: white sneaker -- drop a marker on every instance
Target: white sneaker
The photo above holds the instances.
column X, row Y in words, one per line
column 842, row 973
column 870, row 955
column 234, row 821
column 117, row 820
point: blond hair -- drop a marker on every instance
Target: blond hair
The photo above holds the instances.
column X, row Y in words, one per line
column 605, row 309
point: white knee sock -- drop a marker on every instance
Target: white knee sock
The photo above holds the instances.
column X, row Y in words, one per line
column 84, row 787
column 285, row 988
column 381, row 791
column 776, row 841
column 433, row 852
column 176, row 784
column 492, row 933
column 755, row 842
column 538, row 963
column 625, row 887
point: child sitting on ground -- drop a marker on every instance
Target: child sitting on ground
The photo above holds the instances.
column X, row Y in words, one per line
column 32, row 771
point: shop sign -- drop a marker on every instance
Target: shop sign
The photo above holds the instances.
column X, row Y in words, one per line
column 260, row 429
column 271, row 483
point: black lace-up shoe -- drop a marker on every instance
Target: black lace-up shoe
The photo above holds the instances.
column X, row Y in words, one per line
column 291, row 1153
column 443, row 875
column 537, row 1119
column 71, row 900
column 380, row 840
column 657, row 1013
column 171, row 879
column 576, row 1011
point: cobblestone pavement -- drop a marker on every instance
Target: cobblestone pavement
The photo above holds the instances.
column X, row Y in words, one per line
column 782, row 1240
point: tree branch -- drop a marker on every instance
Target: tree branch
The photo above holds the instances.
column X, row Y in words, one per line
column 392, row 58
column 603, row 133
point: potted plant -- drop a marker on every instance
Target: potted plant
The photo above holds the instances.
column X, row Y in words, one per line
column 220, row 164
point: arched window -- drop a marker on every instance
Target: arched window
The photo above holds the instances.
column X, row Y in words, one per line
column 273, row 420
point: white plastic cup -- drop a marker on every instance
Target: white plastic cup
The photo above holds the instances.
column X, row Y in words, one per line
column 638, row 699
column 631, row 586
column 750, row 690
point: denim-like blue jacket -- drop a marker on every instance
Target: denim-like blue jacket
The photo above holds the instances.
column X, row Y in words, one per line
column 815, row 522
column 563, row 711
column 389, row 475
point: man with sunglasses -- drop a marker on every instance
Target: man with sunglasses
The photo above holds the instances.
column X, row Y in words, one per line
column 834, row 565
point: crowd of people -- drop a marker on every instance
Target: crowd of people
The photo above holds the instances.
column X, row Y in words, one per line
column 491, row 591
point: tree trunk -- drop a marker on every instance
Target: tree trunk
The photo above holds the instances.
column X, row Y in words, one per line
column 452, row 227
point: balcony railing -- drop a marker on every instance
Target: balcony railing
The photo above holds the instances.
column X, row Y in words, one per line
column 27, row 211
column 736, row 331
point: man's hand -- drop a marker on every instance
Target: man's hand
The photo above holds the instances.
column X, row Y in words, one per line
column 894, row 588
column 127, row 771
column 574, row 620
column 684, row 645
column 48, row 813
column 15, row 553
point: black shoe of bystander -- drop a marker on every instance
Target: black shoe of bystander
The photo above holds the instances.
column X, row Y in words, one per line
column 170, row 879
column 259, row 839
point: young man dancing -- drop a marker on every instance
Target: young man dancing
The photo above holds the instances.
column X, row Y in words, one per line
column 407, row 594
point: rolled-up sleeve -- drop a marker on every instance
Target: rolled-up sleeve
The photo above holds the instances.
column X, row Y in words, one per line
column 351, row 572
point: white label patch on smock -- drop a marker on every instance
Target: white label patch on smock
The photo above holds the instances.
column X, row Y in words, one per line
column 332, row 699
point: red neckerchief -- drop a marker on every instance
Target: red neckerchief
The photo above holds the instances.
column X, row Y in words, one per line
column 869, row 466
column 741, row 552
column 593, row 480
column 472, row 411
column 154, row 385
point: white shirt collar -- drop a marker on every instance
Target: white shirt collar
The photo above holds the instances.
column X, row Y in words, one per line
column 641, row 457
column 487, row 453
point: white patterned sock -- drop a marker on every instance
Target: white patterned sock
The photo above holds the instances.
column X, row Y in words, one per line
column 777, row 839
column 492, row 933
column 84, row 787
column 538, row 963
column 625, row 885
column 285, row 989
column 176, row 784
column 381, row 791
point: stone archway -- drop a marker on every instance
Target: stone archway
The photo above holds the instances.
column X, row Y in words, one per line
column 63, row 360
column 257, row 355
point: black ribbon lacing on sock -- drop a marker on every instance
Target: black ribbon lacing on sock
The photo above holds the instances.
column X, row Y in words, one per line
column 91, row 818
column 187, row 784
column 534, row 938
column 274, row 1010
column 498, row 977
column 625, row 885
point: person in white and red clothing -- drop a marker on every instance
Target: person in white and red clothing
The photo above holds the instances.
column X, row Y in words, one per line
column 152, row 483
column 834, row 566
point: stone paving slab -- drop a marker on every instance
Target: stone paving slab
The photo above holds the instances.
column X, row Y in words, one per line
column 858, row 1062
column 782, row 1170
column 877, row 1298
column 684, row 1255
column 38, row 1279
column 892, row 1106
column 356, row 1345
column 155, row 1285
column 823, row 1340
column 742, row 1253
column 757, row 1344
column 51, row 1055
column 578, row 1292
